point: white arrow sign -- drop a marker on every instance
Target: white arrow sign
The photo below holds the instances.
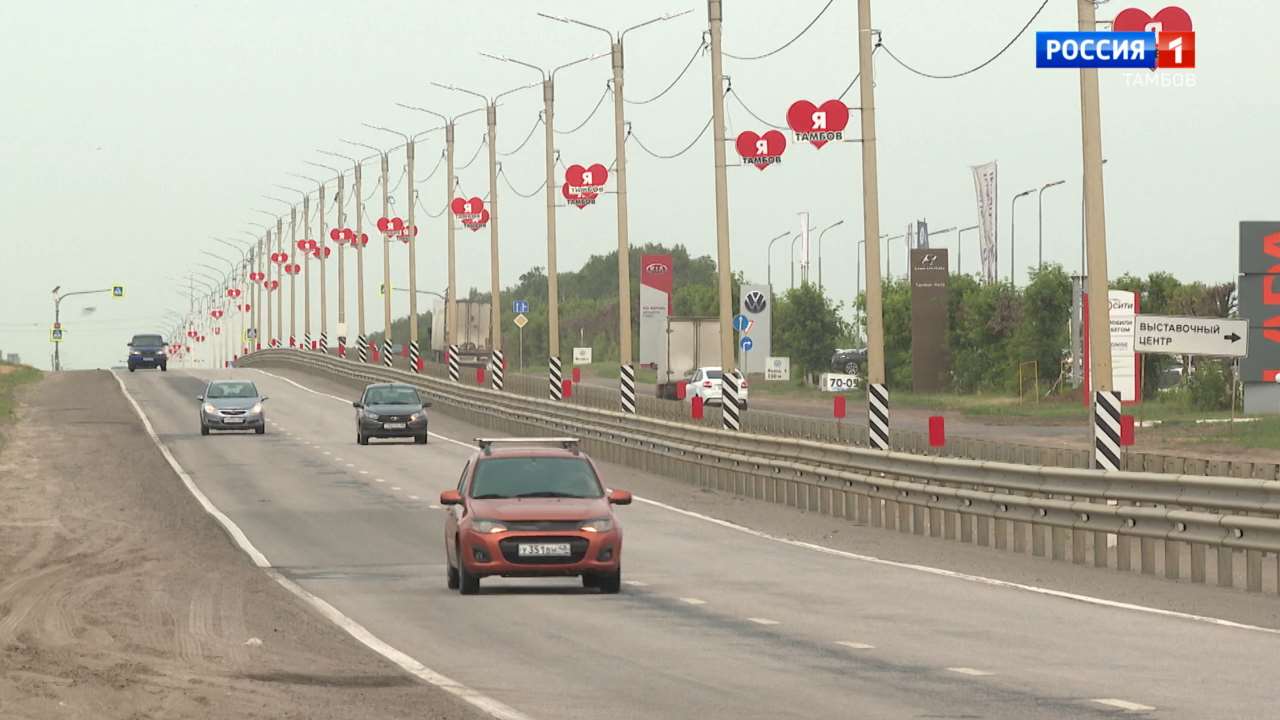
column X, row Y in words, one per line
column 1191, row 336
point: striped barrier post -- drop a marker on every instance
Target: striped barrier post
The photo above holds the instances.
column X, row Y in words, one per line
column 556, row 379
column 878, row 416
column 414, row 357
column 362, row 348
column 1106, row 430
column 324, row 342
column 455, row 371
column 730, row 408
column 496, row 369
column 306, row 340
column 386, row 352
column 627, row 386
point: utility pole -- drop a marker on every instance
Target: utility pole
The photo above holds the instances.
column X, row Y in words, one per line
column 877, row 391
column 321, row 248
column 276, row 342
column 1106, row 402
column 342, row 246
column 293, row 277
column 362, row 340
column 715, row 17
column 414, row 348
column 306, row 273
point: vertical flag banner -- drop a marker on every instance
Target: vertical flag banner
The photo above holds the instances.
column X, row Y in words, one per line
column 985, row 186
column 657, row 277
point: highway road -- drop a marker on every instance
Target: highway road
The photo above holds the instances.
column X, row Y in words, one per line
column 713, row 622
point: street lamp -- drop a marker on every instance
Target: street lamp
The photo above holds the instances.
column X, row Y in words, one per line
column 795, row 239
column 888, row 273
column 1040, row 216
column 770, row 259
column 929, row 234
column 960, row 247
column 1013, row 236
column 824, row 232
column 323, row 251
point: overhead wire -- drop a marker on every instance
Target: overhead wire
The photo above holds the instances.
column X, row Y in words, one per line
column 662, row 156
column 788, row 43
column 418, row 199
column 702, row 45
column 526, row 140
column 752, row 113
column 502, row 174
column 988, row 61
column 594, row 110
column 484, row 139
column 432, row 174
column 404, row 169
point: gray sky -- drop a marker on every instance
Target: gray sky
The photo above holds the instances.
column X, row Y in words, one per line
column 133, row 132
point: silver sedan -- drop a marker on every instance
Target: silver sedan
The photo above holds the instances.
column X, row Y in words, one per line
column 232, row 405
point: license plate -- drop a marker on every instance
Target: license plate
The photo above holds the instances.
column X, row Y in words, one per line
column 544, row 550
column 394, row 426
column 232, row 420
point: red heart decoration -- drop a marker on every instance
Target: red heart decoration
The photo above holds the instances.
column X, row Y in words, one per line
column 348, row 234
column 233, row 292
column 322, row 251
column 397, row 224
column 383, row 224
column 335, row 233
column 201, row 338
column 465, row 208
column 246, row 307
column 1170, row 19
column 576, row 199
column 761, row 150
column 217, row 331
column 310, row 246
column 363, row 239
column 579, row 177
column 272, row 285
column 477, row 222
column 216, row 314
column 817, row 124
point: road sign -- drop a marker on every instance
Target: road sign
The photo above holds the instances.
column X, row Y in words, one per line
column 55, row 335
column 741, row 323
column 57, row 326
column 117, row 291
column 1191, row 336
column 746, row 343
column 520, row 321
column 582, row 356
column 251, row 333
column 520, row 307
column 777, row 369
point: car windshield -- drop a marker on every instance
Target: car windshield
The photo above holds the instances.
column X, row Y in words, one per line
column 535, row 477
column 147, row 341
column 392, row 396
column 231, row 390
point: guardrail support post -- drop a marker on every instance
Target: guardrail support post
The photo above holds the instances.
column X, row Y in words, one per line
column 1147, row 550
column 1172, row 559
column 1253, row 570
column 984, row 531
column 1197, row 562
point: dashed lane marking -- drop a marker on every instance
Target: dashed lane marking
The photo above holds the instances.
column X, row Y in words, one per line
column 762, row 621
column 968, row 671
column 693, row 601
column 635, row 583
column 1123, row 704
column 855, row 645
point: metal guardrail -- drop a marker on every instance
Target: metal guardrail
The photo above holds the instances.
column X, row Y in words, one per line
column 1092, row 517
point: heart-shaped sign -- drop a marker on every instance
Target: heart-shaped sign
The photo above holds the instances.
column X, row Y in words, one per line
column 246, row 307
column 216, row 314
column 761, row 150
column 580, row 201
column 335, row 233
column 322, row 252
column 201, row 338
column 233, row 293
column 464, row 208
column 271, row 285
column 408, row 234
column 475, row 222
column 217, row 331
column 587, row 180
column 1170, row 19
column 347, row 235
column 257, row 276
column 302, row 245
column 818, row 124
column 362, row 240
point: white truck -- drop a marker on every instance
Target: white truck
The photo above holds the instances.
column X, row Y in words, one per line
column 691, row 343
column 473, row 332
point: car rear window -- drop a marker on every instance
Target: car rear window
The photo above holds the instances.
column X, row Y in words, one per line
column 535, row 477
column 148, row 340
column 714, row 374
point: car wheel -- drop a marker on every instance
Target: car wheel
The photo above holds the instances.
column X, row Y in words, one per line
column 451, row 578
column 420, row 439
column 589, row 581
column 361, row 439
column 132, row 368
column 850, row 367
column 204, row 429
column 261, row 429
column 164, row 368
column 468, row 584
column 610, row 584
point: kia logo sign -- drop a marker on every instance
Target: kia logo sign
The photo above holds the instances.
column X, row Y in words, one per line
column 655, row 268
column 755, row 302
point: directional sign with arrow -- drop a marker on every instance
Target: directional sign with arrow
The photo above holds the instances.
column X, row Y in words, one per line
column 1219, row 337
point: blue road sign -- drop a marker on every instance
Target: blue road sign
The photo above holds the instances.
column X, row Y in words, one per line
column 740, row 322
column 519, row 306
column 747, row 343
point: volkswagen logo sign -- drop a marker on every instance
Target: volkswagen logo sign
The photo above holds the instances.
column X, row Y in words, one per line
column 755, row 302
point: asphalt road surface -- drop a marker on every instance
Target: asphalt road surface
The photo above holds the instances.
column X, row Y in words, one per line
column 713, row 622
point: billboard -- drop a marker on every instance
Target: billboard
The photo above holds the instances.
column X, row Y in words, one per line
column 757, row 306
column 1258, row 294
column 657, row 277
column 930, row 358
column 1125, row 376
column 985, row 187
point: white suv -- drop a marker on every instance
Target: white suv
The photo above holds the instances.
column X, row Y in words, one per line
column 705, row 382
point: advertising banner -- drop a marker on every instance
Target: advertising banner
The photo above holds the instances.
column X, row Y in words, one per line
column 757, row 308
column 657, row 277
column 1125, row 376
column 1258, row 296
column 930, row 359
column 985, row 187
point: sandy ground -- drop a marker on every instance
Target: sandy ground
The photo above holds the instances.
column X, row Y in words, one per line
column 121, row 598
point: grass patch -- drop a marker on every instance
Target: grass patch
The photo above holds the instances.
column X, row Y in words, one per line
column 1263, row 433
column 12, row 376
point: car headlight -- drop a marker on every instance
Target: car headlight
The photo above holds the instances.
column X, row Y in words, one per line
column 488, row 527
column 420, row 415
column 598, row 525
column 255, row 409
column 209, row 408
column 134, row 352
column 370, row 416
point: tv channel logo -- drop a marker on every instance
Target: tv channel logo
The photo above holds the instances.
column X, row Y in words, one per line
column 1136, row 40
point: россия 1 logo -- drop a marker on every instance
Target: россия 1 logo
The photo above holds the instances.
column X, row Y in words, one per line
column 1136, row 40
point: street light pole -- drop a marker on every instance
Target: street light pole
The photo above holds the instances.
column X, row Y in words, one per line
column 362, row 340
column 1040, row 218
column 888, row 273
column 386, row 246
column 1013, row 236
column 320, row 256
column 824, row 232
column 342, row 246
column 554, row 362
column 960, row 247
column 293, row 277
column 769, row 261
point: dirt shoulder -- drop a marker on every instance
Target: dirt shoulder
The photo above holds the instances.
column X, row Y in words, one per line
column 121, row 598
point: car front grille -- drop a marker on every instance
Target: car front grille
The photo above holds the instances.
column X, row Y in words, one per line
column 543, row 525
column 233, row 413
column 511, row 550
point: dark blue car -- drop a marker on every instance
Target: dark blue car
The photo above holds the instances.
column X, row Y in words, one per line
column 148, row 351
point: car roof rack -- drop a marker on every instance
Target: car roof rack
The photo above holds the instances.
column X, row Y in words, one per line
column 568, row 443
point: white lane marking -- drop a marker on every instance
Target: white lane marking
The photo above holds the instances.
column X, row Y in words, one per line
column 414, row 497
column 337, row 459
column 1123, row 704
column 491, row 707
column 395, row 487
column 379, row 480
column 959, row 575
column 326, row 452
column 435, row 507
column 693, row 601
column 364, row 472
column 855, row 645
column 351, row 465
column 763, row 621
column 635, row 583
column 1089, row 599
column 969, row 671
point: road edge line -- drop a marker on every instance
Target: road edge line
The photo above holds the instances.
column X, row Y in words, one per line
column 489, row 706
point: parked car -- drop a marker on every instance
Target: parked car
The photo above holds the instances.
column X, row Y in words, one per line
column 532, row 507
column 850, row 361
column 231, row 405
column 391, row 410
column 707, row 383
column 148, row 351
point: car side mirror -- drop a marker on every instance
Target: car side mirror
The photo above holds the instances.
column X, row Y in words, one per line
column 450, row 497
column 264, row 399
column 619, row 497
column 357, row 404
column 129, row 344
column 200, row 398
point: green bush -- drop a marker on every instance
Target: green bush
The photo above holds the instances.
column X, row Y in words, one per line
column 1209, row 387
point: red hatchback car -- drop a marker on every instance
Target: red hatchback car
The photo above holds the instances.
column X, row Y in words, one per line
column 532, row 507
